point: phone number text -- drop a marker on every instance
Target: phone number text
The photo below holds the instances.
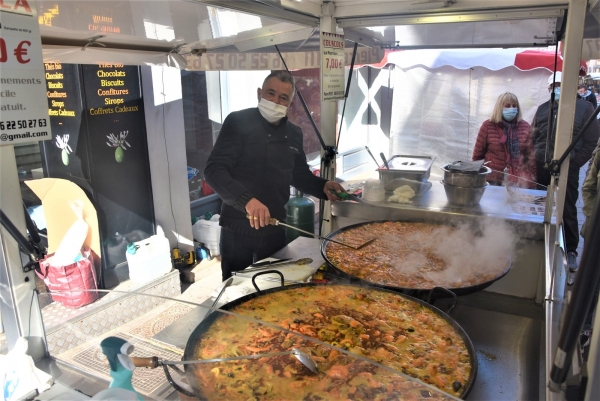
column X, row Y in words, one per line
column 20, row 124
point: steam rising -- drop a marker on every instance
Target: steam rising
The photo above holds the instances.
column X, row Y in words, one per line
column 482, row 253
column 487, row 254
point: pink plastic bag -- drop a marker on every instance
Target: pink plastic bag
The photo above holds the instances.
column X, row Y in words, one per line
column 72, row 279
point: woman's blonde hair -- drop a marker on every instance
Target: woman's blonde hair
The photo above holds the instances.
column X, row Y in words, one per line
column 503, row 98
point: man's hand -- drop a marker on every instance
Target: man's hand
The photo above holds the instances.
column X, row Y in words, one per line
column 332, row 186
column 258, row 214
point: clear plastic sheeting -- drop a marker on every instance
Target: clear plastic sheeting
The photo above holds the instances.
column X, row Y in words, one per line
column 342, row 371
column 481, row 33
column 366, row 120
column 74, row 55
column 438, row 112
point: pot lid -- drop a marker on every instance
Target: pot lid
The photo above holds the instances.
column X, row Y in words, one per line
column 411, row 163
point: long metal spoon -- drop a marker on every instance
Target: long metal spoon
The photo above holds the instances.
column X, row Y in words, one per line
column 373, row 157
column 221, row 289
column 301, row 356
column 276, row 222
column 301, row 262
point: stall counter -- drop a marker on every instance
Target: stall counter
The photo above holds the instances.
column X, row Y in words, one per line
column 527, row 205
column 525, row 215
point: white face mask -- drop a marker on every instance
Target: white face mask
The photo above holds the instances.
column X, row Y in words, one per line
column 272, row 112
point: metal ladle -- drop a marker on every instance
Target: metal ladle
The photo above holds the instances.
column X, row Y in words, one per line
column 372, row 157
column 305, row 359
column 301, row 356
column 275, row 222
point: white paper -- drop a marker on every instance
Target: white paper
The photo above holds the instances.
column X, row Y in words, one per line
column 23, row 103
column 18, row 374
column 72, row 242
column 332, row 66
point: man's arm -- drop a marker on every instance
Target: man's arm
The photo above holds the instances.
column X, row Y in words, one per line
column 304, row 180
column 221, row 162
column 590, row 138
column 593, row 101
column 597, row 146
column 590, row 187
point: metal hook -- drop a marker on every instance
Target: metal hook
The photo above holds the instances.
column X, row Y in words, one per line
column 177, row 48
column 92, row 41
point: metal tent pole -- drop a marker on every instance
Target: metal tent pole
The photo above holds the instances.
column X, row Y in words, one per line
column 21, row 315
column 588, row 279
column 328, row 124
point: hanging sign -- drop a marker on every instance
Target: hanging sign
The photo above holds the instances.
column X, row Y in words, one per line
column 23, row 104
column 332, row 66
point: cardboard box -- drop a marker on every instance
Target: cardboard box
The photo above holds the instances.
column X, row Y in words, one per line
column 55, row 194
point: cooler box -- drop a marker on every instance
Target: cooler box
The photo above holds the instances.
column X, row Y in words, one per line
column 151, row 260
column 208, row 232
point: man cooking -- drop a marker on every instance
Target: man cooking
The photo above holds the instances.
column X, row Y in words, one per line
column 256, row 158
column 581, row 153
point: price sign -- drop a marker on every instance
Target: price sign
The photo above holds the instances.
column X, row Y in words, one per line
column 23, row 106
column 332, row 66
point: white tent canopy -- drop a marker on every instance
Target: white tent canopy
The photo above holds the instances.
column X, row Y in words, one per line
column 492, row 59
column 442, row 98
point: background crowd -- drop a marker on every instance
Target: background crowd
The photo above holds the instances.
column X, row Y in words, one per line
column 518, row 152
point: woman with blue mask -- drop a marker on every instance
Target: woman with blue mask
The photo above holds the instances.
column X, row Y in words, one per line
column 504, row 141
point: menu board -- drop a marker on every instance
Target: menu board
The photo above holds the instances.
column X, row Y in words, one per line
column 119, row 165
column 23, row 116
column 65, row 155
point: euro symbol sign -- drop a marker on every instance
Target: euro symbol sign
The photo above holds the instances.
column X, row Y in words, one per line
column 20, row 52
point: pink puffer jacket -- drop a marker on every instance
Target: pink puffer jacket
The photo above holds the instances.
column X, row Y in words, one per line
column 491, row 146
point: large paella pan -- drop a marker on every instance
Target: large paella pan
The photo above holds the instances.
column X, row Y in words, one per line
column 415, row 257
column 350, row 325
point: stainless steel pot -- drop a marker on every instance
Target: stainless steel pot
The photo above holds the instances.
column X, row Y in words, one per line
column 466, row 179
column 416, row 168
column 464, row 196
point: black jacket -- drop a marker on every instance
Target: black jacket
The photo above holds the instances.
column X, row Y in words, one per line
column 590, row 98
column 255, row 159
column 582, row 152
